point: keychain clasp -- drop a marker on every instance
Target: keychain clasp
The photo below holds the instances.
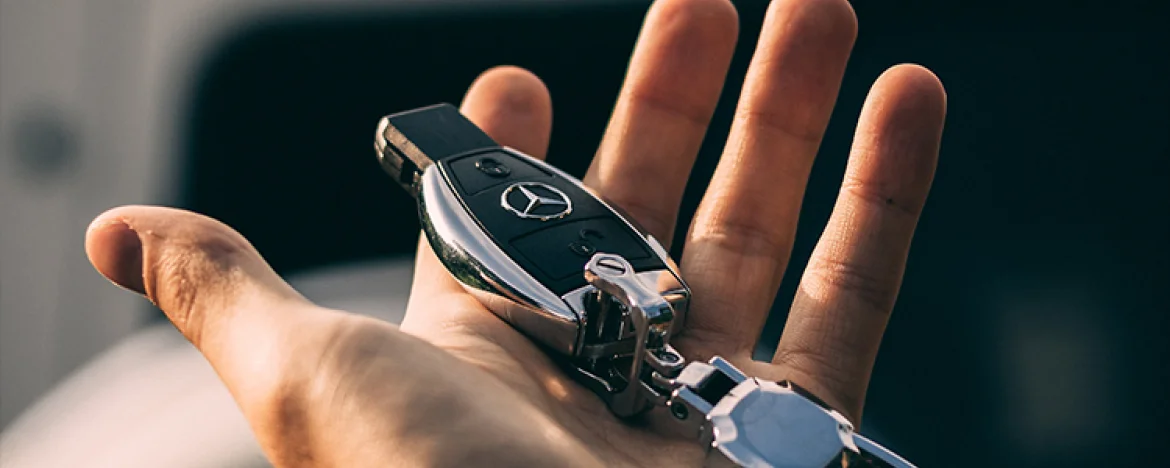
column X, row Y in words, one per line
column 639, row 326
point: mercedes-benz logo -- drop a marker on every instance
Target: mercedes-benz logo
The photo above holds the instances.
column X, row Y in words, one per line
column 534, row 200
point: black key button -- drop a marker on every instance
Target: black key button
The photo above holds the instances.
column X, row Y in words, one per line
column 583, row 249
column 584, row 245
column 560, row 251
column 488, row 165
column 478, row 172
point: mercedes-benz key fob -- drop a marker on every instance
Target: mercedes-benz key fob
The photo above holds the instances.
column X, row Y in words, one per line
column 545, row 254
column 518, row 232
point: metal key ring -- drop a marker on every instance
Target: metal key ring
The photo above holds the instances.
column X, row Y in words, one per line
column 761, row 423
column 742, row 421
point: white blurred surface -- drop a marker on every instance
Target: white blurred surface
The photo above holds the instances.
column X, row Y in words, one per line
column 153, row 401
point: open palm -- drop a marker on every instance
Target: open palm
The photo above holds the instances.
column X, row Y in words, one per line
column 455, row 385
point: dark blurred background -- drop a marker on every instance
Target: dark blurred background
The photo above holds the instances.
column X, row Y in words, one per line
column 1031, row 326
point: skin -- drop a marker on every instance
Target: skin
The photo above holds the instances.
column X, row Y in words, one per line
column 455, row 385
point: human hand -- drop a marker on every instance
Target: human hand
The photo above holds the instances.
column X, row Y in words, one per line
column 455, row 385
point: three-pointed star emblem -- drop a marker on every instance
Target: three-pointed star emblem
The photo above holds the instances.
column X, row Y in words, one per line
column 540, row 201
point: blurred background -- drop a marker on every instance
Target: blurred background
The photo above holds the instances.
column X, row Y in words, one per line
column 1031, row 326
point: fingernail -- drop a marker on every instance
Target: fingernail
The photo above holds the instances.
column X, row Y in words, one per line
column 118, row 255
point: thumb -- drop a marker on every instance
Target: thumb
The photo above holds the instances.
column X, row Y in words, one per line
column 208, row 279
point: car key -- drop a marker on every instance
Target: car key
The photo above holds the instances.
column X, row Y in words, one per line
column 568, row 270
column 517, row 232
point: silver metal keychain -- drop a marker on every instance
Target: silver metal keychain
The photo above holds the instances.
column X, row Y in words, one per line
column 564, row 268
column 744, row 421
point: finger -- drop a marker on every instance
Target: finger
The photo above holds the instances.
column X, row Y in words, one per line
column 848, row 290
column 209, row 281
column 671, row 89
column 513, row 107
column 743, row 231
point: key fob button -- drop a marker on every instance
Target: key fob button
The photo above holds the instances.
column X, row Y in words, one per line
column 583, row 246
column 582, row 249
column 475, row 173
column 561, row 251
column 488, row 165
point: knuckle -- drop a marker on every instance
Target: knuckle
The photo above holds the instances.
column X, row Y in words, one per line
column 874, row 290
column 169, row 285
column 182, row 269
column 661, row 104
column 735, row 234
column 804, row 130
